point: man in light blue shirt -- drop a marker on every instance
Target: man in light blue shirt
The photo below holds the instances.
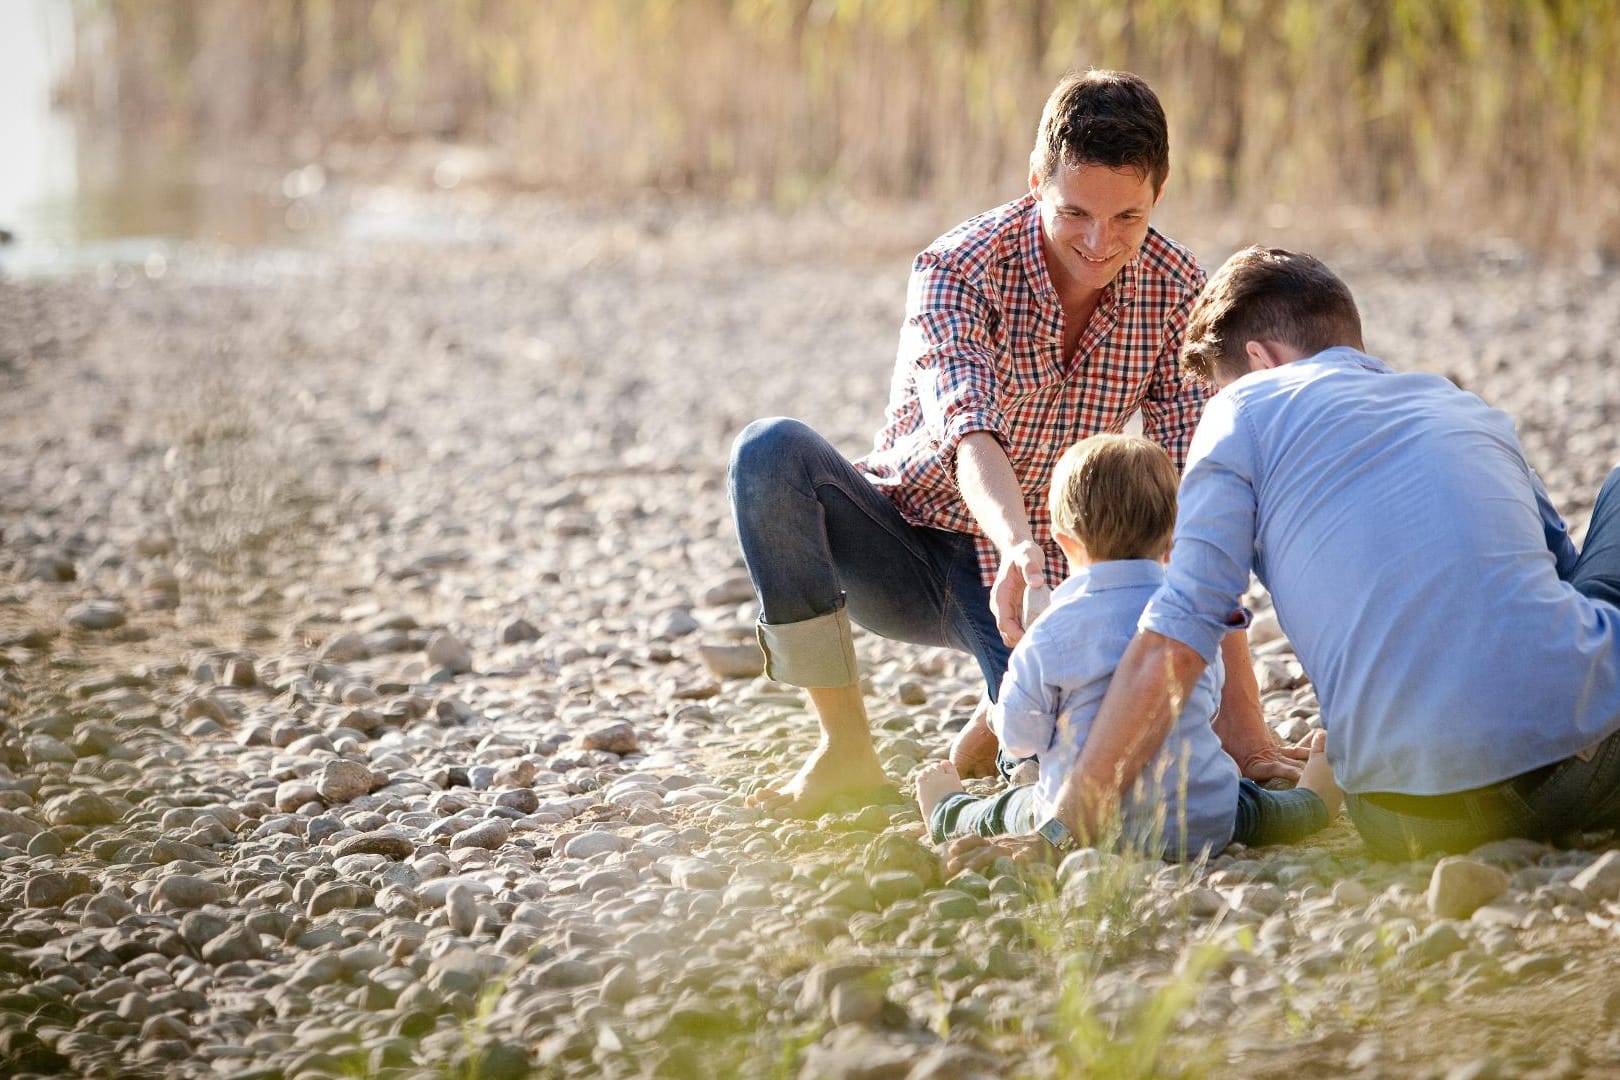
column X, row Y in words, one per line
column 1467, row 660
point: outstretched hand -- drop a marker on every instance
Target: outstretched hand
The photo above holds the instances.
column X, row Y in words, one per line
column 1022, row 566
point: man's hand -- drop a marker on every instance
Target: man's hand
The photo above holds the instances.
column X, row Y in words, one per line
column 976, row 853
column 1274, row 762
column 1022, row 565
column 1241, row 724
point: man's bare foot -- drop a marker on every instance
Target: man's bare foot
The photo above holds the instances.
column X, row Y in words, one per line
column 935, row 780
column 1317, row 775
column 828, row 776
column 973, row 751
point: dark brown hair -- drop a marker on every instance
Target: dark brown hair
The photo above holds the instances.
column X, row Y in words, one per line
column 1108, row 118
column 1116, row 494
column 1267, row 294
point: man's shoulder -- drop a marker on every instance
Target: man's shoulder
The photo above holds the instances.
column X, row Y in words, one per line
column 1165, row 261
column 982, row 241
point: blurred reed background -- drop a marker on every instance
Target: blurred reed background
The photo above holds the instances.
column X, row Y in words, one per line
column 1473, row 117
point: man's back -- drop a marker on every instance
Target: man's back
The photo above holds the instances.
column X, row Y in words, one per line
column 1415, row 565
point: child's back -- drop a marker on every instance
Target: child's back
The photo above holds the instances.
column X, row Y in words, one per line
column 1055, row 683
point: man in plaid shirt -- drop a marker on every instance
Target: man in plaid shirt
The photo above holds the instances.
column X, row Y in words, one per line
column 1053, row 317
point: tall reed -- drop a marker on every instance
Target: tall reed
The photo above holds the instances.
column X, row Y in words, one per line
column 1474, row 115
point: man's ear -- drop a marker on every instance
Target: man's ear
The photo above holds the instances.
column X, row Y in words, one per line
column 1157, row 195
column 1034, row 175
column 1264, row 355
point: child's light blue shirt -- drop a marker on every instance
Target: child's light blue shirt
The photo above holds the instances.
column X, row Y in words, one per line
column 1056, row 680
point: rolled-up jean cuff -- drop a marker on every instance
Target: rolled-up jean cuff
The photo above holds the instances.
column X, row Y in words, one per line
column 814, row 652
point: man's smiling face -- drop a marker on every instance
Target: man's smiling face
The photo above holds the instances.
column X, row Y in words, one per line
column 1093, row 219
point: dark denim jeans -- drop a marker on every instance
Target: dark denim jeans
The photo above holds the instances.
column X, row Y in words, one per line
column 817, row 535
column 1276, row 817
column 1580, row 793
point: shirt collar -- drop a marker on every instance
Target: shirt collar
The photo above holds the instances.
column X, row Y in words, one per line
column 1040, row 282
column 1112, row 574
column 1345, row 356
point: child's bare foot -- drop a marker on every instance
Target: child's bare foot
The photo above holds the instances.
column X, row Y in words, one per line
column 935, row 780
column 852, row 774
column 973, row 751
column 1317, row 775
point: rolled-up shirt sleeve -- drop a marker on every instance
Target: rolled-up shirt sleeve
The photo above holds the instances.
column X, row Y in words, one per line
column 948, row 347
column 1174, row 402
column 1025, row 716
column 1213, row 553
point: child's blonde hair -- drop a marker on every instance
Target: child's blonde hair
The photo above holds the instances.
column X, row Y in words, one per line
column 1116, row 494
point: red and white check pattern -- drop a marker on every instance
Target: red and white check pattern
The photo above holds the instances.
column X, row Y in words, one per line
column 981, row 350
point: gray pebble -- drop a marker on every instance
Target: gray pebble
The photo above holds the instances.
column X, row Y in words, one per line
column 97, row 615
column 486, row 834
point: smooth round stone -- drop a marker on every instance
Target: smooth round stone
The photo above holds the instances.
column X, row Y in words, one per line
column 589, row 844
column 187, row 891
column 486, row 834
column 51, row 888
column 461, row 909
column 97, row 615
column 83, row 808
column 383, row 842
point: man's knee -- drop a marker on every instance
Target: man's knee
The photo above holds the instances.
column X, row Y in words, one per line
column 764, row 452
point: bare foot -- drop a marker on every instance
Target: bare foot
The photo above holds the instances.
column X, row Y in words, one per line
column 828, row 776
column 935, row 780
column 973, row 751
column 1317, row 775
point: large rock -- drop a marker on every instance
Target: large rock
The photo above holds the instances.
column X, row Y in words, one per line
column 615, row 738
column 345, row 649
column 14, row 824
column 50, row 888
column 1460, row 886
column 186, row 891
column 486, row 834
column 291, row 794
column 739, row 661
column 82, row 808
column 97, row 615
column 44, row 749
column 447, row 651
column 596, row 842
column 382, row 842
column 343, row 781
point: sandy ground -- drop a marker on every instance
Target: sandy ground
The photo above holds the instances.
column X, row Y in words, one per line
column 364, row 626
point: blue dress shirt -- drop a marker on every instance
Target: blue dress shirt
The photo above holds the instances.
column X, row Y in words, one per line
column 1416, row 564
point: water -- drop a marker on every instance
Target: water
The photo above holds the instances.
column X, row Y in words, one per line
column 78, row 198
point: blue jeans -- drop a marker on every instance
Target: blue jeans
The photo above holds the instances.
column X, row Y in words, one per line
column 1276, row 817
column 820, row 539
column 1263, row 817
column 961, row 814
column 1580, row 793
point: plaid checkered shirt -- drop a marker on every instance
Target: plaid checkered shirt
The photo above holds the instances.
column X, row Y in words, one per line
column 982, row 350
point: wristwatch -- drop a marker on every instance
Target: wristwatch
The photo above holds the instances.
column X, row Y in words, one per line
column 1057, row 834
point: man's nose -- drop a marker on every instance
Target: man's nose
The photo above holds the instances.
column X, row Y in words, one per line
column 1094, row 235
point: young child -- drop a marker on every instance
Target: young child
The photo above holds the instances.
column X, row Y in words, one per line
column 1113, row 502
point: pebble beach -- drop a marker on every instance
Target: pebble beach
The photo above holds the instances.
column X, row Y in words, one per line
column 380, row 696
